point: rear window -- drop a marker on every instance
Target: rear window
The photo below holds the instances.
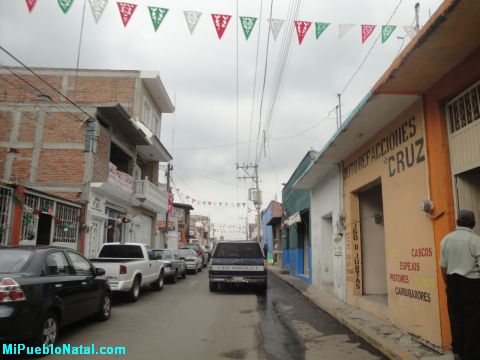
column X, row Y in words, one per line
column 12, row 261
column 121, row 252
column 238, row 250
column 164, row 255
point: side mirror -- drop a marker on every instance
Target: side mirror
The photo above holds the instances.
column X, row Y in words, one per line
column 99, row 272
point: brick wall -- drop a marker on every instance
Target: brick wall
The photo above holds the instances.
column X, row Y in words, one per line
column 21, row 165
column 61, row 165
column 101, row 159
column 5, row 125
column 63, row 127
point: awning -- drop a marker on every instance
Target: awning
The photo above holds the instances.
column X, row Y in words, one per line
column 293, row 219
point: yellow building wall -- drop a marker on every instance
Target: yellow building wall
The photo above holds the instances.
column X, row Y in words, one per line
column 397, row 157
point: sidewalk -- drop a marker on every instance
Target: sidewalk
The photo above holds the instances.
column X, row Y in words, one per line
column 391, row 341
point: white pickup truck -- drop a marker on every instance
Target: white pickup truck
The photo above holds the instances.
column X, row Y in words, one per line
column 130, row 266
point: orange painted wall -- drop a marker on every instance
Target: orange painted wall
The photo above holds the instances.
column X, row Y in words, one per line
column 439, row 162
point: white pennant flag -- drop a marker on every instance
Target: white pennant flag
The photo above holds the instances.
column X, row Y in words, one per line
column 192, row 18
column 275, row 26
column 343, row 29
column 410, row 31
column 97, row 7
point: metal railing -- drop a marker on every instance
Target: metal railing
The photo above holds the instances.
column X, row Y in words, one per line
column 464, row 109
column 6, row 196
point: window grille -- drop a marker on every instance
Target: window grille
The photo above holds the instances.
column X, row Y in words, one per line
column 66, row 224
column 6, row 196
column 464, row 109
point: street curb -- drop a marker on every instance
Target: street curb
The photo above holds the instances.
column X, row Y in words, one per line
column 388, row 348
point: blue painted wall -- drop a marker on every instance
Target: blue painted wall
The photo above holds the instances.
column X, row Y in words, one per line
column 295, row 200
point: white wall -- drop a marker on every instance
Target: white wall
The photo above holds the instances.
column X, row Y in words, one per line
column 327, row 269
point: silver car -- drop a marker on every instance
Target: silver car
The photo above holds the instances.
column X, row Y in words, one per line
column 193, row 261
column 173, row 264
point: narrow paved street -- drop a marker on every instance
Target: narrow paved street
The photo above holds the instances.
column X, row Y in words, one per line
column 186, row 321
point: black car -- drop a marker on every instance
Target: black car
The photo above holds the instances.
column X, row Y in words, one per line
column 238, row 263
column 45, row 288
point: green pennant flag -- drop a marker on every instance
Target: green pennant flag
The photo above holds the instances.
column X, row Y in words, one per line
column 65, row 5
column 157, row 14
column 320, row 27
column 387, row 30
column 247, row 25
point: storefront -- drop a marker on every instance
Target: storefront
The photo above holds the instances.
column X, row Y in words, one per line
column 390, row 248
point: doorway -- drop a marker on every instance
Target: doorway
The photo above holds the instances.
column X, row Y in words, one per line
column 44, row 229
column 303, row 237
column 326, row 251
column 372, row 235
column 467, row 186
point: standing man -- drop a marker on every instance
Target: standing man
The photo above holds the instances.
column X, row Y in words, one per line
column 460, row 263
column 265, row 250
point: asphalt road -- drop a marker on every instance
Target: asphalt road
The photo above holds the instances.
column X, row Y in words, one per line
column 186, row 321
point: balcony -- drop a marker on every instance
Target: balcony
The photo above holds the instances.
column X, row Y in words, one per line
column 150, row 196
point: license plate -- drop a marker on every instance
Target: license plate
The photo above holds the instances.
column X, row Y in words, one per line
column 238, row 279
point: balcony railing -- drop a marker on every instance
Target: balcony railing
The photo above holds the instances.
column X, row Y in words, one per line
column 153, row 197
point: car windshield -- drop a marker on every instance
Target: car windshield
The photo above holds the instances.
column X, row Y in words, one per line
column 122, row 252
column 238, row 250
column 186, row 252
column 12, row 261
column 164, row 255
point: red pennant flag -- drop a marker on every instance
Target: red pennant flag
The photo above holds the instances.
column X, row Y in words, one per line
column 367, row 30
column 220, row 22
column 31, row 4
column 302, row 28
column 126, row 11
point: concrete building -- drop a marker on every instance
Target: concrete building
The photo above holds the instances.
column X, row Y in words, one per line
column 271, row 222
column 182, row 214
column 105, row 153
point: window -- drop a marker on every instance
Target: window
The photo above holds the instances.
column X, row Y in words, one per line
column 147, row 113
column 464, row 109
column 57, row 264
column 122, row 252
column 156, row 125
column 151, row 119
column 238, row 250
column 81, row 266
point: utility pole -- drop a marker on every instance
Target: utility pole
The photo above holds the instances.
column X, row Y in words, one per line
column 256, row 195
column 165, row 233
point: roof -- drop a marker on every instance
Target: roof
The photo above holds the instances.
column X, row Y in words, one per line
column 183, row 206
column 451, row 34
column 154, row 84
column 121, row 120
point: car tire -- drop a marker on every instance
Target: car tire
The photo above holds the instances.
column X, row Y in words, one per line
column 262, row 289
column 105, row 307
column 184, row 275
column 195, row 270
column 175, row 277
column 48, row 330
column 134, row 292
column 158, row 284
column 212, row 286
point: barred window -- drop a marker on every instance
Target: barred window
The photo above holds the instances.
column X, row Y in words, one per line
column 464, row 109
column 6, row 196
column 66, row 224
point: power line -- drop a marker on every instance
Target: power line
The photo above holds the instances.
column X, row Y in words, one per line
column 44, row 81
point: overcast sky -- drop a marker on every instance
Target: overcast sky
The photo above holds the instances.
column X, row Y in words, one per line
column 200, row 73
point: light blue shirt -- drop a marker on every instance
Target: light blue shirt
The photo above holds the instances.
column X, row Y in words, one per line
column 460, row 253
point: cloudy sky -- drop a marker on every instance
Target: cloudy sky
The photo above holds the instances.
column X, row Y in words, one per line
column 200, row 74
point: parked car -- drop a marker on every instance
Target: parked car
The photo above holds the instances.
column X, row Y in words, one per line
column 129, row 267
column 239, row 263
column 198, row 249
column 173, row 265
column 45, row 288
column 193, row 261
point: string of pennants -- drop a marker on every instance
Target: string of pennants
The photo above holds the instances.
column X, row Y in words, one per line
column 194, row 201
column 220, row 227
column 221, row 21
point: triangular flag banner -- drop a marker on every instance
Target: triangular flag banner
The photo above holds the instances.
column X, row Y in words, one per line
column 367, row 30
column 320, row 27
column 126, row 11
column 410, row 31
column 97, row 7
column 275, row 26
column 157, row 14
column 302, row 28
column 387, row 30
column 220, row 22
column 65, row 5
column 343, row 29
column 30, row 4
column 247, row 25
column 192, row 18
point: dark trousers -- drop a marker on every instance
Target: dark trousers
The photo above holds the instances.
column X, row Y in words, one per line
column 463, row 295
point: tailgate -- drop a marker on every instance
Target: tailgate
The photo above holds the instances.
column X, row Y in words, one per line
column 236, row 267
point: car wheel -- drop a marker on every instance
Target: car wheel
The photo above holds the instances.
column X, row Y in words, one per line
column 135, row 290
column 175, row 277
column 262, row 289
column 105, row 307
column 184, row 275
column 158, row 285
column 48, row 331
column 212, row 286
column 195, row 270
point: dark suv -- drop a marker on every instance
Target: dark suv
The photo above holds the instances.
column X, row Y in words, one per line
column 239, row 263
